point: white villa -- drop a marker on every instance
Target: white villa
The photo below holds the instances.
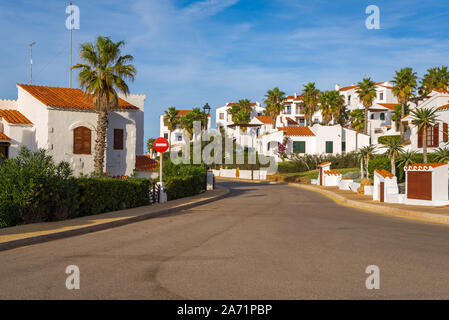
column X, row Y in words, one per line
column 62, row 121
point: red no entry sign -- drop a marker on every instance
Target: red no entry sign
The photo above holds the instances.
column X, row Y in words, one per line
column 160, row 145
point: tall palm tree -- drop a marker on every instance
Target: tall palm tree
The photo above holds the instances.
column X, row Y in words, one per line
column 274, row 103
column 406, row 158
column 187, row 121
column 357, row 119
column 326, row 107
column 171, row 120
column 367, row 93
column 368, row 152
column 435, row 79
column 361, row 158
column 103, row 72
column 396, row 115
column 241, row 111
column 150, row 146
column 339, row 112
column 311, row 97
column 405, row 83
column 393, row 149
column 423, row 118
column 442, row 154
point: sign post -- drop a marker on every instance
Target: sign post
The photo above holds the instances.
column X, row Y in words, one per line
column 161, row 145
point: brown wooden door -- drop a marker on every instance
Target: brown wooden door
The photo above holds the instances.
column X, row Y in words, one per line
column 419, row 185
column 382, row 192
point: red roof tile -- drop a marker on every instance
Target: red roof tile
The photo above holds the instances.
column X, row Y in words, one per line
column 67, row 98
column 384, row 173
column 424, row 166
column 388, row 105
column 324, row 164
column 4, row 137
column 265, row 119
column 14, row 117
column 297, row 131
column 145, row 163
column 332, row 172
column 183, row 112
column 445, row 107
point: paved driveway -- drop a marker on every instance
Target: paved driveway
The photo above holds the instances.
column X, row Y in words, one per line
column 261, row 242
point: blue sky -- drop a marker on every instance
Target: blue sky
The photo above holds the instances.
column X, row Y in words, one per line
column 191, row 52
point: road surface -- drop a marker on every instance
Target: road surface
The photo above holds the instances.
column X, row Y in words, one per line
column 262, row 242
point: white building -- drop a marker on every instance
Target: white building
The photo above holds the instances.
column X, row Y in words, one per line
column 223, row 119
column 63, row 121
column 177, row 135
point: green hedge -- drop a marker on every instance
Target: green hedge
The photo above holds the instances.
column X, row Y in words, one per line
column 179, row 187
column 302, row 163
column 100, row 195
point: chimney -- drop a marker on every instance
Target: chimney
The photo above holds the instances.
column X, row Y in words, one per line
column 296, row 95
column 337, row 87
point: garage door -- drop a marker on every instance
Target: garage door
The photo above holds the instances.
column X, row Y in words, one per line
column 419, row 185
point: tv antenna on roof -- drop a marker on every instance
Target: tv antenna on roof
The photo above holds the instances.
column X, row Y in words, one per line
column 31, row 62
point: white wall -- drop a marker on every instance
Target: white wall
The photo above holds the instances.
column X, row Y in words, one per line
column 138, row 100
column 20, row 135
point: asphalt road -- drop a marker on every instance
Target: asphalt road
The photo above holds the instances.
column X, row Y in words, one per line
column 261, row 242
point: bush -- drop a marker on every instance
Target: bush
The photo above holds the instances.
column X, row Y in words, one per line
column 302, row 163
column 100, row 195
column 34, row 189
column 179, row 187
column 379, row 162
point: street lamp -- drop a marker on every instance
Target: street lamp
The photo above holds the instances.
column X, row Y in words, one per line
column 206, row 109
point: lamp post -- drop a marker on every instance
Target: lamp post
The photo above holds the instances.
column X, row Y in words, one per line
column 206, row 109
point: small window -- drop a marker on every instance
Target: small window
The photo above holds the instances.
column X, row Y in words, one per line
column 118, row 139
column 180, row 138
column 289, row 109
column 349, row 99
column 268, row 146
column 317, row 120
column 166, row 135
column 299, row 146
column 382, row 116
column 222, row 116
column 381, row 96
column 372, row 116
column 82, row 140
column 329, row 147
column 343, row 146
column 4, row 150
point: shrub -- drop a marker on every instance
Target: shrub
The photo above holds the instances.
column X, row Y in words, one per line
column 179, row 187
column 100, row 195
column 34, row 189
column 379, row 162
column 302, row 163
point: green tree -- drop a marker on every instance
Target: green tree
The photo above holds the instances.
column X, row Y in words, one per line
column 103, row 72
column 435, row 79
column 274, row 102
column 367, row 93
column 396, row 115
column 423, row 118
column 241, row 112
column 357, row 120
column 171, row 120
column 393, row 149
column 326, row 107
column 339, row 111
column 442, row 154
column 150, row 147
column 367, row 153
column 311, row 98
column 187, row 121
column 405, row 83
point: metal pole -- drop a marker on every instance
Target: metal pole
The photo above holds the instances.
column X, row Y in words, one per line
column 31, row 62
column 160, row 168
column 71, row 28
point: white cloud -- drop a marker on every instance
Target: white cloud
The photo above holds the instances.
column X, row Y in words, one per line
column 207, row 8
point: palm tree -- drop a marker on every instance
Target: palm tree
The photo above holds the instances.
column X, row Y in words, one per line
column 407, row 158
column 368, row 152
column 241, row 111
column 361, row 158
column 339, row 112
column 394, row 148
column 274, row 103
column 442, row 154
column 326, row 107
column 424, row 118
column 396, row 115
column 150, row 146
column 104, row 71
column 357, row 119
column 187, row 121
column 310, row 101
column 435, row 79
column 367, row 93
column 405, row 83
column 171, row 120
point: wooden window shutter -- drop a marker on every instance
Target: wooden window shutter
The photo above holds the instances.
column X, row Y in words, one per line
column 82, row 140
column 420, row 137
column 445, row 133
column 118, row 139
column 436, row 135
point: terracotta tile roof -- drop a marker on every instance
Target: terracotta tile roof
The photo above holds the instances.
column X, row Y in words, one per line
column 231, row 104
column 183, row 112
column 14, row 117
column 332, row 172
column 423, row 166
column 297, row 131
column 4, row 137
column 145, row 163
column 348, row 88
column 380, row 84
column 445, row 107
column 66, row 98
column 265, row 119
column 388, row 105
column 324, row 164
column 384, row 173
column 298, row 97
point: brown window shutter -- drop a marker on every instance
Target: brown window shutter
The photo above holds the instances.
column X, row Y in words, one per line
column 445, row 133
column 82, row 140
column 436, row 135
column 118, row 139
column 420, row 137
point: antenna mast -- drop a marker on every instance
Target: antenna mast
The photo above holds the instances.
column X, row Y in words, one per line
column 31, row 62
column 71, row 28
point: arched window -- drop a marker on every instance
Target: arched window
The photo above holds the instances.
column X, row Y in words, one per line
column 82, row 140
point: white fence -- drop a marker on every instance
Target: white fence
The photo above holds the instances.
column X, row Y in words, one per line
column 243, row 174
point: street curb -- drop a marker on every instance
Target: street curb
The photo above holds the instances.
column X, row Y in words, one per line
column 392, row 211
column 13, row 244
